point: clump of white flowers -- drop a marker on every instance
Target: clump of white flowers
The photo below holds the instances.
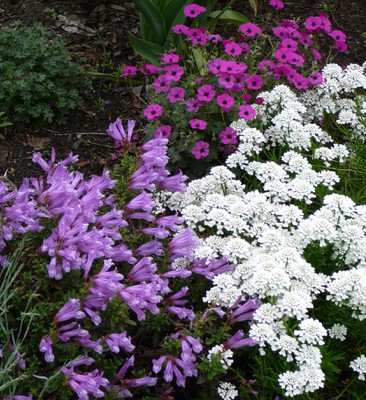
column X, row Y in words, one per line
column 265, row 233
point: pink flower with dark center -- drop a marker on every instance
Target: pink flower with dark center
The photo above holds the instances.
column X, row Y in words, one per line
column 149, row 69
column 295, row 59
column 338, row 36
column 193, row 10
column 153, row 111
column 289, row 44
column 201, row 149
column 293, row 33
column 282, row 70
column 247, row 112
column 305, row 40
column 176, row 94
column 276, row 4
column 283, row 54
column 315, row 78
column 341, row 46
column 226, row 80
column 225, row 101
column 281, row 32
column 128, row 71
column 214, row 38
column 162, row 84
column 170, row 58
column 300, row 82
column 259, row 100
column 249, row 29
column 192, row 105
column 254, row 82
column 197, row 36
column 232, row 48
column 206, row 93
column 325, row 24
column 198, row 124
column 163, row 131
column 174, row 72
column 228, row 136
column 180, row 29
column 313, row 23
column 288, row 23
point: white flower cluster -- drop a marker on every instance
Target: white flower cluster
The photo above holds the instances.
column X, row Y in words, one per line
column 226, row 355
column 359, row 365
column 333, row 97
column 227, row 391
column 265, row 234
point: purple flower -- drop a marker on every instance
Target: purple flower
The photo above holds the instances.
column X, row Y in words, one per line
column 180, row 29
column 198, row 124
column 153, row 111
column 245, row 311
column 276, row 4
column 201, row 149
column 182, row 245
column 228, row 136
column 84, row 384
column 163, row 131
column 232, row 49
column 149, row 248
column 313, row 23
column 225, row 101
column 117, row 132
column 174, row 183
column 70, row 310
column 237, row 341
column 144, row 270
column 176, row 94
column 206, row 93
column 143, row 201
column 128, row 71
column 162, row 83
column 171, row 222
column 170, row 58
column 247, row 112
column 45, row 347
column 192, row 105
column 249, row 29
column 174, row 72
column 315, row 78
column 193, row 10
column 254, row 82
column 115, row 341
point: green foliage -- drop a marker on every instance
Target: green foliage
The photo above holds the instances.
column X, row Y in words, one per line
column 40, row 84
column 157, row 17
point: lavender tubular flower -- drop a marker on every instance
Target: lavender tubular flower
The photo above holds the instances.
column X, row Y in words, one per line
column 70, row 310
column 144, row 270
column 115, row 341
column 143, row 201
column 150, row 248
column 246, row 311
column 237, row 341
column 45, row 347
column 182, row 245
column 118, row 133
column 174, row 183
column 171, row 222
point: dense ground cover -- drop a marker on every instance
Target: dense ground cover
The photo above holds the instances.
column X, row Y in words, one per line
column 245, row 280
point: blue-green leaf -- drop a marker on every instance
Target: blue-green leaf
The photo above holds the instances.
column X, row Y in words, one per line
column 146, row 49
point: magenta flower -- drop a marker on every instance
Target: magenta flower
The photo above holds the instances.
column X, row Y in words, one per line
column 315, row 78
column 254, row 82
column 128, row 71
column 162, row 83
column 247, row 112
column 170, row 58
column 192, row 105
column 197, row 36
column 249, row 29
column 201, row 149
column 316, row 54
column 228, row 136
column 153, row 111
column 232, row 48
column 193, row 10
column 289, row 43
column 225, row 101
column 198, row 124
column 206, row 93
column 180, row 29
column 174, row 72
column 341, row 46
column 163, row 131
column 246, row 97
column 176, row 94
column 276, row 4
column 313, row 23
column 149, row 69
column 338, row 36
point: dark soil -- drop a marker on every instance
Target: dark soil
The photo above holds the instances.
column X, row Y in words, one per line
column 97, row 30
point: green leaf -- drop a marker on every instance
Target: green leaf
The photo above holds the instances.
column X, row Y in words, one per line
column 254, row 5
column 173, row 12
column 154, row 18
column 198, row 57
column 231, row 16
column 146, row 49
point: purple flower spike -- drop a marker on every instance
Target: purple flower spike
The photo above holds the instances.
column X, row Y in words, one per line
column 238, row 341
column 115, row 341
column 45, row 347
column 117, row 132
column 70, row 310
column 182, row 245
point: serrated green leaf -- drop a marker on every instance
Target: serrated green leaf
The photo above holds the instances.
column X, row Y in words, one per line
column 154, row 18
column 231, row 16
column 146, row 49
